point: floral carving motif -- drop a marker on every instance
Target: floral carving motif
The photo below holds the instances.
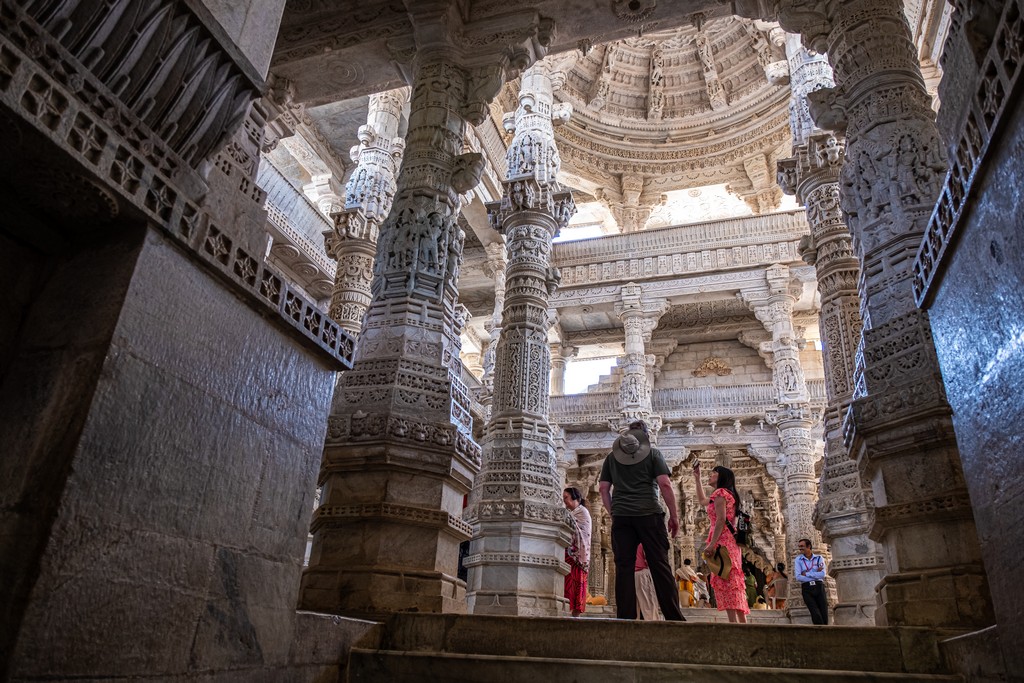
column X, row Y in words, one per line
column 713, row 365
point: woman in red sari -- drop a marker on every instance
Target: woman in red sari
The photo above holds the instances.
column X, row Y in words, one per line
column 578, row 553
column 730, row 593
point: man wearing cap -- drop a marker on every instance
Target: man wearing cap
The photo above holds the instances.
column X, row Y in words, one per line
column 630, row 481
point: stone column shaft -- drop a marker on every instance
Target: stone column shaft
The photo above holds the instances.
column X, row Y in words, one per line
column 520, row 524
column 793, row 419
column 639, row 319
column 368, row 198
column 399, row 455
column 494, row 266
column 898, row 426
column 843, row 512
column 560, row 358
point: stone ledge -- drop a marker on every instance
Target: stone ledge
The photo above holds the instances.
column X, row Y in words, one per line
column 127, row 173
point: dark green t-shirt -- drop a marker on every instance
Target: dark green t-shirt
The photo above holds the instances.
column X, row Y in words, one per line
column 635, row 487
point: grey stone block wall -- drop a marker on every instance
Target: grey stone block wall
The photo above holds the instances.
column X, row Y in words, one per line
column 978, row 323
column 177, row 545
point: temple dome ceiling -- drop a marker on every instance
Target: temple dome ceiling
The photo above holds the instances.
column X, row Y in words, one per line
column 683, row 108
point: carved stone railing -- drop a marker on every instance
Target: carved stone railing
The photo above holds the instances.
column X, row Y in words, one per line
column 168, row 63
column 689, row 403
column 997, row 85
column 739, row 242
column 135, row 170
column 596, row 408
column 299, row 240
column 296, row 210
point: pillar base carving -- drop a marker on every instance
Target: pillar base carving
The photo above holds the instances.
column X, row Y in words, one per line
column 901, row 435
column 521, row 527
column 388, row 529
column 950, row 596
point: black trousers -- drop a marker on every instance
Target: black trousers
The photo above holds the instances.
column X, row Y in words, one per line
column 648, row 531
column 816, row 601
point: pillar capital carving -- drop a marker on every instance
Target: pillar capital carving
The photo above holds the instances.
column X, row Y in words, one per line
column 489, row 52
column 368, row 198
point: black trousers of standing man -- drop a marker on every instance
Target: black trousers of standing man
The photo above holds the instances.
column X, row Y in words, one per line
column 649, row 531
column 814, row 597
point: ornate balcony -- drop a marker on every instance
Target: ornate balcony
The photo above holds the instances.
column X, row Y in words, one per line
column 690, row 403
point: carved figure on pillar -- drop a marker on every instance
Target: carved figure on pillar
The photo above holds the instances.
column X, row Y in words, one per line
column 519, row 522
column 400, row 417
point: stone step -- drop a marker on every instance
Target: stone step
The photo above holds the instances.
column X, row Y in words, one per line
column 841, row 648
column 366, row 666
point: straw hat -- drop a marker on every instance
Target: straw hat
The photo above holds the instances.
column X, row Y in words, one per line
column 632, row 447
column 719, row 564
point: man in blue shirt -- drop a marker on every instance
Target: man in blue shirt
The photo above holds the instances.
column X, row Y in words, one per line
column 809, row 570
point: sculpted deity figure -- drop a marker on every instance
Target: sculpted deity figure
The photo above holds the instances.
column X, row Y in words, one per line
column 428, row 235
column 657, row 67
column 829, row 152
column 457, row 238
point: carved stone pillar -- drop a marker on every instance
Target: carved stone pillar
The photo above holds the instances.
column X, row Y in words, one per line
column 368, row 197
column 520, row 525
column 639, row 319
column 793, row 419
column 899, row 426
column 845, row 503
column 595, row 578
column 560, row 355
column 399, row 455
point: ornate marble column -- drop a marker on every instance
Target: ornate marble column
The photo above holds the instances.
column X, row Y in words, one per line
column 399, row 455
column 899, row 426
column 639, row 319
column 368, row 197
column 844, row 511
column 494, row 267
column 520, row 525
column 595, row 578
column 797, row 458
column 560, row 355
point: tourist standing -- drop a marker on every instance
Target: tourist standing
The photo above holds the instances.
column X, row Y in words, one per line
column 577, row 555
column 646, row 596
column 730, row 593
column 687, row 577
column 778, row 587
column 810, row 572
column 631, row 477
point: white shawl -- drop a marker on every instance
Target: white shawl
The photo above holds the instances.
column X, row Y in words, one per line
column 582, row 533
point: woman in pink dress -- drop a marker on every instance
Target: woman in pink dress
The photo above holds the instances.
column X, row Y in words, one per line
column 731, row 593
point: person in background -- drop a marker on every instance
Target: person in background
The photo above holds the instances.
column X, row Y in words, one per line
column 777, row 587
column 577, row 555
column 631, row 477
column 751, row 583
column 809, row 569
column 731, row 593
column 686, row 576
column 646, row 598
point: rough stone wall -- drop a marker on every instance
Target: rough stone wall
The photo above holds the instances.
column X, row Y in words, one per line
column 747, row 366
column 178, row 543
column 979, row 333
column 56, row 329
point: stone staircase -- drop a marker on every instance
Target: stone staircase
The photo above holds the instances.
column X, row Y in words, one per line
column 429, row 647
